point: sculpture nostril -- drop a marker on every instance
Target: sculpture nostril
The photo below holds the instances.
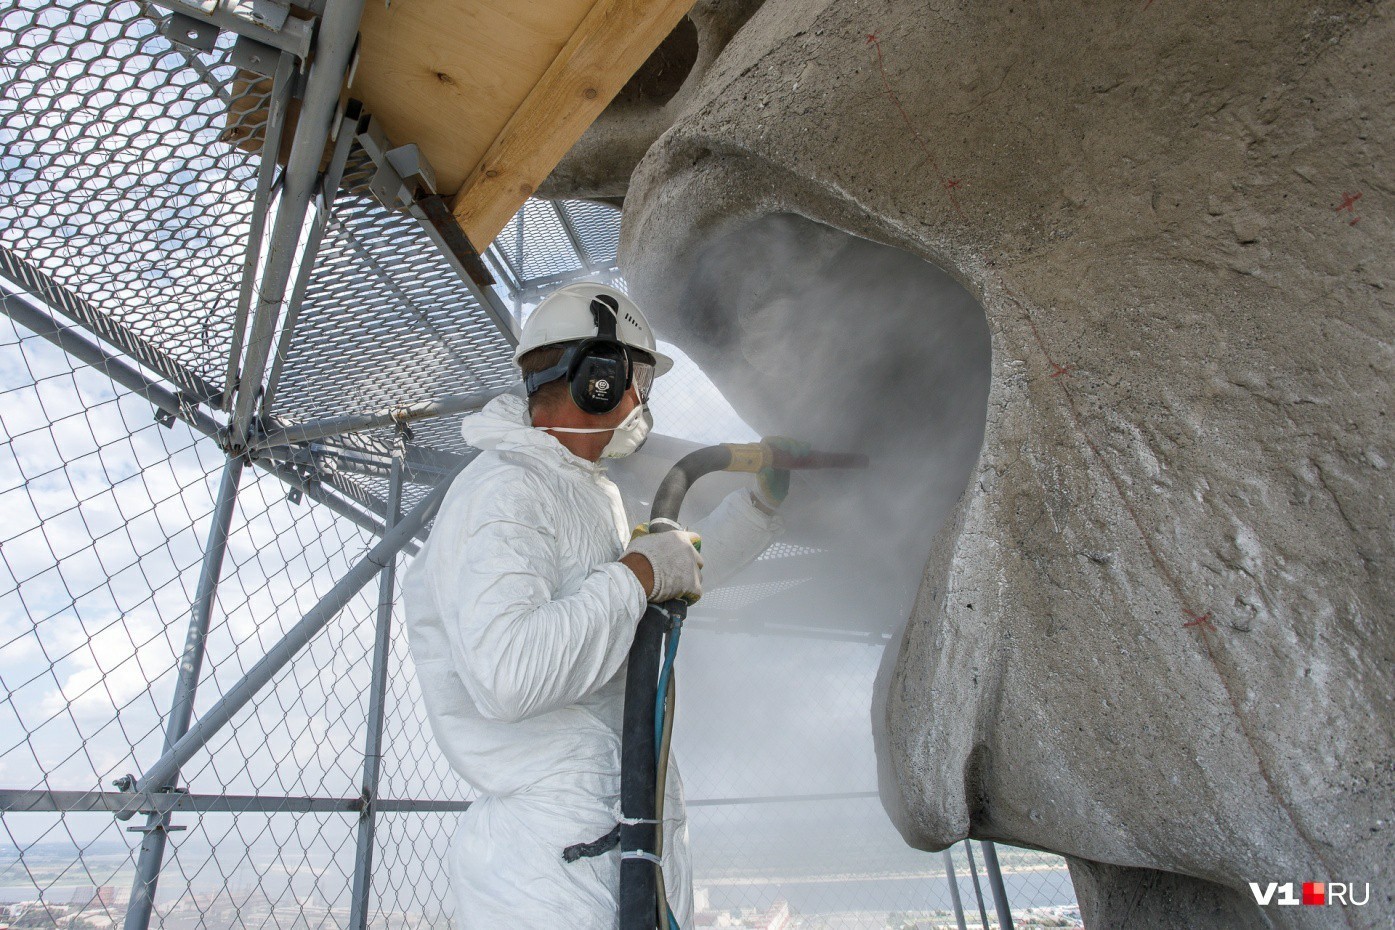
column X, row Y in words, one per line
column 663, row 73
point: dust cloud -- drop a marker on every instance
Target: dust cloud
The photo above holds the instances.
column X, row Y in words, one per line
column 851, row 346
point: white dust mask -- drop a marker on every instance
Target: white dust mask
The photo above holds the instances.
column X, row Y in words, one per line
column 628, row 436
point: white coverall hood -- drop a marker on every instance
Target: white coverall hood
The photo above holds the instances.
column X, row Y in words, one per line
column 519, row 621
column 505, row 420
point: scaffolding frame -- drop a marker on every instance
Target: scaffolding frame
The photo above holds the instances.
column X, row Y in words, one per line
column 259, row 415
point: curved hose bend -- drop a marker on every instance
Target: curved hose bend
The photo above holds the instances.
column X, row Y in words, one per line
column 668, row 500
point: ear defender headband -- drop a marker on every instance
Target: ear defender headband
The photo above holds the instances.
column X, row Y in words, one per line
column 598, row 369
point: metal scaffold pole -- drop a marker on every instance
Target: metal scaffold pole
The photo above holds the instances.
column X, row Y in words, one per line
column 334, row 45
column 377, row 695
column 954, row 889
column 157, row 826
column 361, row 422
column 978, row 889
column 995, row 884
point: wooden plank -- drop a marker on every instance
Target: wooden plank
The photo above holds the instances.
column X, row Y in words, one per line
column 603, row 52
column 449, row 74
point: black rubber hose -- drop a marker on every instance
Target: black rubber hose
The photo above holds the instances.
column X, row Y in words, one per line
column 669, row 498
column 639, row 773
column 639, row 896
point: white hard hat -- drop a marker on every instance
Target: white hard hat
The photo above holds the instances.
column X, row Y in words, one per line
column 565, row 316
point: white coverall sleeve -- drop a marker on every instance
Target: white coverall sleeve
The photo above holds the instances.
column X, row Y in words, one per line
column 519, row 648
column 733, row 534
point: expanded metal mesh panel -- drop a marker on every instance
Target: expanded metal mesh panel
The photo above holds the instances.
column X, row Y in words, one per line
column 377, row 486
column 535, row 244
column 784, row 550
column 386, row 320
column 121, row 179
column 442, row 432
column 597, row 226
column 549, row 243
column 742, row 596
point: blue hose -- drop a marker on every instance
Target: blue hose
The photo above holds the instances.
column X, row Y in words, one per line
column 661, row 699
column 660, row 702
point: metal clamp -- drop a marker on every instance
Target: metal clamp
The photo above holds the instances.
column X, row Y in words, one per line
column 157, row 828
column 257, row 57
column 269, row 22
column 403, row 173
column 193, row 34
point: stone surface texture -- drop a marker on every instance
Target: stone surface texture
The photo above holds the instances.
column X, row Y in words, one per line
column 1155, row 634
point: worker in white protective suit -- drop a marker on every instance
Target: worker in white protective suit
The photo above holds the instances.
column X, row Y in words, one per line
column 521, row 609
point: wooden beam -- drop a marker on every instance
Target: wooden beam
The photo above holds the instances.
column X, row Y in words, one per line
column 606, row 49
column 449, row 74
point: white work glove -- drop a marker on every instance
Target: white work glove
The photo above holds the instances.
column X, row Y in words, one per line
column 676, row 563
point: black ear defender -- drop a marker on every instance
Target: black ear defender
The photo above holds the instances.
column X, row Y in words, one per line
column 599, row 373
column 598, row 369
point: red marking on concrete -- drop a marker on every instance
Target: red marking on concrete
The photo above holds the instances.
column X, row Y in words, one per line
column 1200, row 621
column 1148, row 4
column 1349, row 201
column 953, row 183
column 1056, row 369
column 1355, row 221
column 873, row 41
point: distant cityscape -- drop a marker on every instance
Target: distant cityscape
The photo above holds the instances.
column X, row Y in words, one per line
column 101, row 908
column 738, row 897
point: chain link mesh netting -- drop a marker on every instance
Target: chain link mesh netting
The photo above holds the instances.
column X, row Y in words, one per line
column 128, row 178
column 106, row 516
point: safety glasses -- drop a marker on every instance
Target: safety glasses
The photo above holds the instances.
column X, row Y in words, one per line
column 642, row 377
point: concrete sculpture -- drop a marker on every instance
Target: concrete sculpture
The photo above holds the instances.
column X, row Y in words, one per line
column 1157, row 632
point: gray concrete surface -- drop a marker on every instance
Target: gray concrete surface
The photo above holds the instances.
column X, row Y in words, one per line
column 1188, row 415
